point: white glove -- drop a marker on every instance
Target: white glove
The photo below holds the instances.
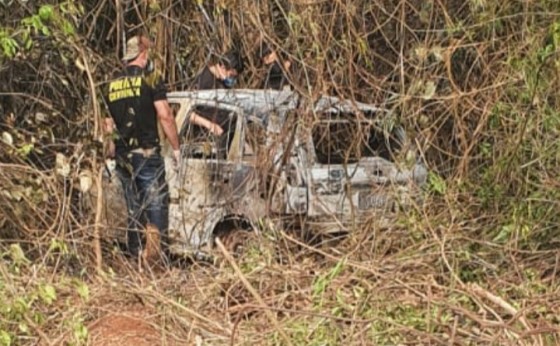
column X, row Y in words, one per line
column 177, row 158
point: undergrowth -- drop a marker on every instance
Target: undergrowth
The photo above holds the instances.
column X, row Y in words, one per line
column 474, row 83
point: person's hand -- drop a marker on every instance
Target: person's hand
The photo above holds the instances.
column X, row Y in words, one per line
column 177, row 158
column 109, row 149
column 216, row 129
column 270, row 58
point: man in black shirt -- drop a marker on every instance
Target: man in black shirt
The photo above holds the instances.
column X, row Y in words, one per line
column 219, row 75
column 222, row 74
column 137, row 102
column 276, row 76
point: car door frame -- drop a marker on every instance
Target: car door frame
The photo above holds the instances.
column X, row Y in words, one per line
column 203, row 229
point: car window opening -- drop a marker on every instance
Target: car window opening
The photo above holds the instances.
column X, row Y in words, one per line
column 341, row 138
column 200, row 143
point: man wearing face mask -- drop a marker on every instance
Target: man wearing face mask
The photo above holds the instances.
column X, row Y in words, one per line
column 223, row 73
column 220, row 75
column 137, row 100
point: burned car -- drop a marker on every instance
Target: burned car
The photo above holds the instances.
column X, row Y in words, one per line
column 282, row 155
column 348, row 160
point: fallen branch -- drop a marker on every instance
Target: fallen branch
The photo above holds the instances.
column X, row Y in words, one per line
column 481, row 292
column 253, row 292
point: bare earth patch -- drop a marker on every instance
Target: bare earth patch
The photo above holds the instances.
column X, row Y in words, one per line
column 132, row 327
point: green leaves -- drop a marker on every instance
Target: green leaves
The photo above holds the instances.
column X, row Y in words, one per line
column 68, row 28
column 83, row 290
column 5, row 338
column 48, row 21
column 17, row 255
column 8, row 44
column 26, row 149
column 46, row 12
column 36, row 24
column 60, row 246
column 79, row 330
column 324, row 280
column 47, row 294
column 436, row 184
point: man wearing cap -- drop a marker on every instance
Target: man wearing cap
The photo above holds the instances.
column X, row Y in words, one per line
column 138, row 102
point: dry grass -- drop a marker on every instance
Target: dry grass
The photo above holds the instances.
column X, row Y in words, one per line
column 474, row 82
column 378, row 286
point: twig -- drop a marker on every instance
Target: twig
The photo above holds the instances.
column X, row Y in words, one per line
column 301, row 312
column 98, row 211
column 191, row 312
column 41, row 334
column 94, row 104
column 504, row 305
column 32, row 97
column 95, row 17
column 253, row 292
column 454, row 331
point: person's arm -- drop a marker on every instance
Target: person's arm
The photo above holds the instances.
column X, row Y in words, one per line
column 108, row 143
column 202, row 121
column 164, row 114
column 165, row 117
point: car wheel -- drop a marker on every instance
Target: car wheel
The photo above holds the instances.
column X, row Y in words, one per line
column 237, row 241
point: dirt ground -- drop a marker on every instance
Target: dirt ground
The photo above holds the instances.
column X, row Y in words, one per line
column 134, row 327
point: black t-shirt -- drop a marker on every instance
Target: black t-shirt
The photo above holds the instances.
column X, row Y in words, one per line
column 275, row 78
column 131, row 96
column 206, row 80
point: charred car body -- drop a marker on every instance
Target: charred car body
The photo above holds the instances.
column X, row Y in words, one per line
column 281, row 155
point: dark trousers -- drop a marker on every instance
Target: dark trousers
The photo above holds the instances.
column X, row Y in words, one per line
column 147, row 196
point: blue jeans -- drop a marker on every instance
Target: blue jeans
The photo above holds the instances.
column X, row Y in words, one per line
column 147, row 197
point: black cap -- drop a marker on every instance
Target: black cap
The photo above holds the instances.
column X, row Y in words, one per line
column 233, row 60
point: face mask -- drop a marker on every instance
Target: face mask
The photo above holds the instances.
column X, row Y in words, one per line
column 149, row 66
column 229, row 82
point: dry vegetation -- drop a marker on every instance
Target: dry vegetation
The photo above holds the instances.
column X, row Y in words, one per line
column 475, row 82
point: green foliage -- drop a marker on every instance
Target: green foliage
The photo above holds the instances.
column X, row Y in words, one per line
column 8, row 44
column 29, row 299
column 17, row 256
column 58, row 246
column 5, row 338
column 36, row 24
column 24, row 303
column 79, row 330
column 48, row 21
column 552, row 45
column 83, row 290
column 47, row 294
column 26, row 149
column 436, row 184
column 323, row 281
column 315, row 332
column 46, row 12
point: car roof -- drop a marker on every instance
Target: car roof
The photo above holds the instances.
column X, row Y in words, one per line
column 252, row 101
column 260, row 102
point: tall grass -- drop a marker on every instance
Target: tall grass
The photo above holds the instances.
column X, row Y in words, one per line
column 475, row 83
